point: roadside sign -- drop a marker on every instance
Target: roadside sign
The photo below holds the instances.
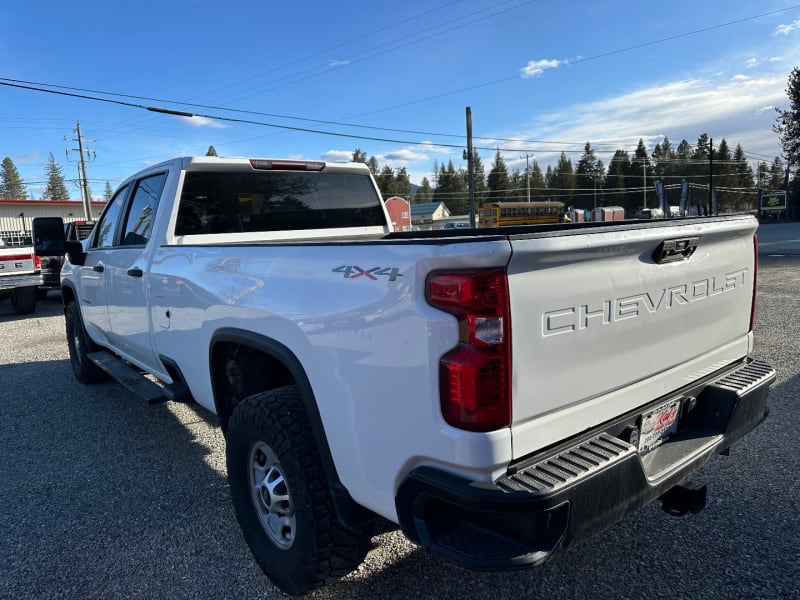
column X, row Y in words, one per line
column 773, row 201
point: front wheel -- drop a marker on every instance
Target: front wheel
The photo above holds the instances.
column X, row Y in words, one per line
column 80, row 346
column 281, row 496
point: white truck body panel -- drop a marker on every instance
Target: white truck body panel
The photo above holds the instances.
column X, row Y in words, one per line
column 597, row 328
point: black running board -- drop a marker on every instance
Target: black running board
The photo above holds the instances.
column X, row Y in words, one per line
column 131, row 378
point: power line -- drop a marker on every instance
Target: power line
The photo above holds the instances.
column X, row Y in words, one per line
column 179, row 113
column 585, row 59
column 37, row 84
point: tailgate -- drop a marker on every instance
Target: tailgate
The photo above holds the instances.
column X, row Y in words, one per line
column 16, row 261
column 599, row 327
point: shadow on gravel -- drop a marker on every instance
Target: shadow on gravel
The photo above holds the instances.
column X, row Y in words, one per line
column 104, row 496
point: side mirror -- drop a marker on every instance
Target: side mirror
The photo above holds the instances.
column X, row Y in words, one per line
column 48, row 236
column 49, row 240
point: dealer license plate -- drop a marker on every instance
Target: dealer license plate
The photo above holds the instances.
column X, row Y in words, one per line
column 658, row 424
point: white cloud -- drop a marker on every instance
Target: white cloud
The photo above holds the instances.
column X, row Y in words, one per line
column 534, row 68
column 775, row 59
column 787, row 29
column 202, row 122
column 751, row 62
column 404, row 155
column 764, row 109
column 428, row 146
column 739, row 78
column 679, row 109
column 337, row 156
column 338, row 63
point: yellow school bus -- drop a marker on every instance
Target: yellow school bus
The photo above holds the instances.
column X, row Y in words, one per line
column 499, row 214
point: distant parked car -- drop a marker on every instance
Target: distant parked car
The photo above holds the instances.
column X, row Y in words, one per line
column 76, row 231
column 457, row 225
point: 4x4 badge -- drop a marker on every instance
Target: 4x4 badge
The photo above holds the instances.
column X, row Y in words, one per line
column 354, row 272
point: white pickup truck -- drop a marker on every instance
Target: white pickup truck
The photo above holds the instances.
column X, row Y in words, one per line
column 501, row 394
column 20, row 274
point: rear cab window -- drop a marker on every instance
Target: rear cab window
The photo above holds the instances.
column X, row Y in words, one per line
column 229, row 201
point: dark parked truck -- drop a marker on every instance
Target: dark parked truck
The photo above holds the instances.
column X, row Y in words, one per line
column 500, row 394
column 20, row 273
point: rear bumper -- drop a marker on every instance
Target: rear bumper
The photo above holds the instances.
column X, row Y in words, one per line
column 8, row 282
column 559, row 498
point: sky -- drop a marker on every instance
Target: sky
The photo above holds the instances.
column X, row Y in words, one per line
column 315, row 80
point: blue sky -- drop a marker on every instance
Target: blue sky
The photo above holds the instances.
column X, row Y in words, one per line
column 540, row 77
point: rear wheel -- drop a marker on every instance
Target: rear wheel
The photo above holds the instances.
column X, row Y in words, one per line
column 80, row 346
column 23, row 299
column 281, row 496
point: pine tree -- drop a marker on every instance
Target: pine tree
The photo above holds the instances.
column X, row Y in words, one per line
column 358, row 156
column 11, row 185
column 563, row 183
column 498, row 181
column 664, row 157
column 538, row 191
column 744, row 179
column 616, row 180
column 385, row 181
column 108, row 192
column 55, row 188
column 776, row 175
column 373, row 165
column 402, row 184
column 479, row 174
column 424, row 192
column 788, row 128
column 586, row 173
column 451, row 189
column 788, row 122
column 211, row 151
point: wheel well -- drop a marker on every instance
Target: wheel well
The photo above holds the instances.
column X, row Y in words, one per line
column 239, row 370
column 67, row 294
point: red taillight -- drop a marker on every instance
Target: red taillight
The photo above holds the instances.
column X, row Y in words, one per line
column 37, row 262
column 286, row 165
column 755, row 282
column 474, row 377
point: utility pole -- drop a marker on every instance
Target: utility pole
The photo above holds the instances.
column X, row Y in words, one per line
column 528, row 174
column 84, row 181
column 644, row 189
column 711, row 175
column 470, row 169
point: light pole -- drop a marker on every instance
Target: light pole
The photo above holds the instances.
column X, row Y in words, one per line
column 594, row 183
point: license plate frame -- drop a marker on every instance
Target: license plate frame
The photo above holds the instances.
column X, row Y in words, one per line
column 658, row 424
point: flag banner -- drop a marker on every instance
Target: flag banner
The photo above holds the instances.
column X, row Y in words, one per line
column 684, row 196
column 662, row 197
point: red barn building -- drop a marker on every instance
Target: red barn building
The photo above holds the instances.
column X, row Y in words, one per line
column 399, row 213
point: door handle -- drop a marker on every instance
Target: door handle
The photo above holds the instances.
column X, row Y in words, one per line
column 99, row 268
column 135, row 272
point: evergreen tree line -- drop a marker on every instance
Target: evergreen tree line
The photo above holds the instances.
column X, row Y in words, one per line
column 628, row 180
column 12, row 186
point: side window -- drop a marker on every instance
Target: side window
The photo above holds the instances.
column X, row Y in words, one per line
column 107, row 225
column 142, row 210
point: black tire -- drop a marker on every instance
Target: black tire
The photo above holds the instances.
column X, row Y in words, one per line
column 23, row 299
column 79, row 346
column 289, row 520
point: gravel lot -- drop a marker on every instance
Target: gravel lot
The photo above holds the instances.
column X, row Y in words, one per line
column 104, row 496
